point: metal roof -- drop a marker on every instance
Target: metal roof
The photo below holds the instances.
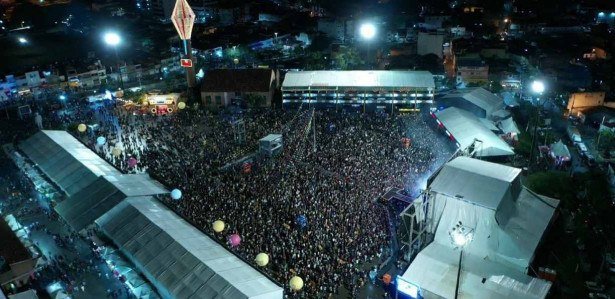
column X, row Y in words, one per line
column 480, row 97
column 332, row 79
column 66, row 161
column 465, row 128
column 179, row 259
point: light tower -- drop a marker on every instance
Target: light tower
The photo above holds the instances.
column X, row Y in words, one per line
column 183, row 20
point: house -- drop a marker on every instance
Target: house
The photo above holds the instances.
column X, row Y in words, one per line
column 220, row 87
column 472, row 71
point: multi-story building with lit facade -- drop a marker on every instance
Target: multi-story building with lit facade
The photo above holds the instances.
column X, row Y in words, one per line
column 366, row 90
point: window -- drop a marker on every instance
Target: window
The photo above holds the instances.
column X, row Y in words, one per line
column 208, row 100
column 218, row 100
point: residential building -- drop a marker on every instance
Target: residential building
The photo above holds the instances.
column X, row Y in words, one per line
column 430, row 43
column 95, row 75
column 222, row 86
column 471, row 70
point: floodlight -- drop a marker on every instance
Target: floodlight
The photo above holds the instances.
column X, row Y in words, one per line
column 538, row 86
column 112, row 39
column 368, row 30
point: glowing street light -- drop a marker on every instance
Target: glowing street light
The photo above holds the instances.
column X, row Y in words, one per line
column 367, row 31
column 112, row 39
column 538, row 86
column 461, row 237
column 22, row 40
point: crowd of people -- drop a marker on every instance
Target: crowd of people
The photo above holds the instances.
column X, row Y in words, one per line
column 331, row 180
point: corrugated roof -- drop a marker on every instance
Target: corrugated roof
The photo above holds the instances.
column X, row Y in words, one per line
column 237, row 80
column 180, row 260
column 66, row 161
column 465, row 128
column 332, row 79
column 479, row 97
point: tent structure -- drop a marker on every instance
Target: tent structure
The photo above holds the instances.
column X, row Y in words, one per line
column 65, row 161
column 92, row 185
column 479, row 101
column 178, row 259
column 506, row 221
column 468, row 130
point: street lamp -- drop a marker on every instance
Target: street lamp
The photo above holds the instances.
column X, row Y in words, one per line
column 113, row 39
column 22, row 40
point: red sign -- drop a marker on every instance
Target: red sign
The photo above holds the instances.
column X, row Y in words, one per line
column 186, row 62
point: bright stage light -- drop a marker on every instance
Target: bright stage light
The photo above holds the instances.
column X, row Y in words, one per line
column 112, row 39
column 368, row 30
column 538, row 86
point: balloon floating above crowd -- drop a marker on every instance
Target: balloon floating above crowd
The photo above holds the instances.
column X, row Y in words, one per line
column 296, row 283
column 234, row 240
column 218, row 226
column 132, row 162
column 262, row 259
column 82, row 128
column 101, row 140
column 302, row 221
column 176, row 194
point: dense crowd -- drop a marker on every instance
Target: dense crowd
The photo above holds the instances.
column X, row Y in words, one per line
column 335, row 188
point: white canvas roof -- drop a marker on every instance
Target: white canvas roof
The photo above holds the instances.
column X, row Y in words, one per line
column 560, row 149
column 177, row 258
column 481, row 98
column 334, row 79
column 465, row 128
column 507, row 226
column 484, row 183
column 434, row 270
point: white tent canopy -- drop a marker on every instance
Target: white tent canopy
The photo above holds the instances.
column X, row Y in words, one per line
column 507, row 222
column 177, row 258
column 466, row 128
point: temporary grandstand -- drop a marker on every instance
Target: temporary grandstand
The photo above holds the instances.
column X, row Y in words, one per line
column 472, row 134
column 503, row 223
column 330, row 88
column 177, row 258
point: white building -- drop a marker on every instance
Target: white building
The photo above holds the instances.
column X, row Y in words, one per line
column 485, row 214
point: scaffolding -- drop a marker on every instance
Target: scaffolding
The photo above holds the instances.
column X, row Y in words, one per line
column 417, row 226
column 239, row 131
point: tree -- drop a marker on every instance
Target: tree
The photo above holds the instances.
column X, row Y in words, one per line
column 346, row 58
column 555, row 184
column 606, row 139
column 315, row 61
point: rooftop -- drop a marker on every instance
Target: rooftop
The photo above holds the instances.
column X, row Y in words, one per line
column 334, row 79
column 237, row 80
